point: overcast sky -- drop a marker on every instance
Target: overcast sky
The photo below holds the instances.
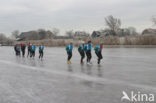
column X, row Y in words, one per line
column 88, row 15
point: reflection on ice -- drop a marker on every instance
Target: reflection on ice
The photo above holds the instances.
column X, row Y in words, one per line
column 89, row 69
column 82, row 68
column 70, row 69
column 100, row 72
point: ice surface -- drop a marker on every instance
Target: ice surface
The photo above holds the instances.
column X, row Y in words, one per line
column 26, row 80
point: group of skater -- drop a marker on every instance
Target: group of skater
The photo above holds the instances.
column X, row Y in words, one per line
column 85, row 49
column 31, row 50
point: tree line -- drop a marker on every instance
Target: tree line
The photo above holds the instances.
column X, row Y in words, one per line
column 5, row 40
column 112, row 23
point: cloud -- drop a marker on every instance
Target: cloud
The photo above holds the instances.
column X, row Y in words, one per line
column 73, row 14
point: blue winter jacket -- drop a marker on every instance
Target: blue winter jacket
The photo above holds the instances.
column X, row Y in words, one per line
column 89, row 47
column 69, row 48
column 33, row 48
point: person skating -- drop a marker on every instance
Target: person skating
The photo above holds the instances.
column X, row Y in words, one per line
column 69, row 49
column 88, row 48
column 29, row 50
column 82, row 52
column 98, row 52
column 15, row 48
column 23, row 49
column 18, row 50
column 41, row 48
column 33, row 49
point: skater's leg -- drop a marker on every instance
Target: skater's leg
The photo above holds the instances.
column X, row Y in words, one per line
column 39, row 54
column 100, row 57
column 34, row 53
column 31, row 53
column 89, row 55
column 81, row 53
column 42, row 55
column 69, row 55
column 19, row 53
column 23, row 53
column 82, row 57
column 28, row 53
column 97, row 54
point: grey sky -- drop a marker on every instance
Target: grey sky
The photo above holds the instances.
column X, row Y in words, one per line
column 88, row 15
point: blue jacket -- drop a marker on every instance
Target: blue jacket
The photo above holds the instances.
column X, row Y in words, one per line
column 41, row 48
column 69, row 48
column 81, row 48
column 85, row 47
column 97, row 48
column 33, row 48
column 89, row 46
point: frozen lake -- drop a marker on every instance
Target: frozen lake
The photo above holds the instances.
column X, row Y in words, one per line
column 25, row 80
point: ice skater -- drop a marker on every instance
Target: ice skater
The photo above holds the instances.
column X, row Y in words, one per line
column 98, row 52
column 29, row 50
column 33, row 49
column 23, row 49
column 88, row 49
column 82, row 52
column 69, row 49
column 17, row 49
column 41, row 48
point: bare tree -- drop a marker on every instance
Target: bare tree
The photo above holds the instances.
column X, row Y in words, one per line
column 15, row 34
column 113, row 24
column 2, row 38
column 55, row 31
column 50, row 34
column 130, row 31
column 5, row 40
column 70, row 33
